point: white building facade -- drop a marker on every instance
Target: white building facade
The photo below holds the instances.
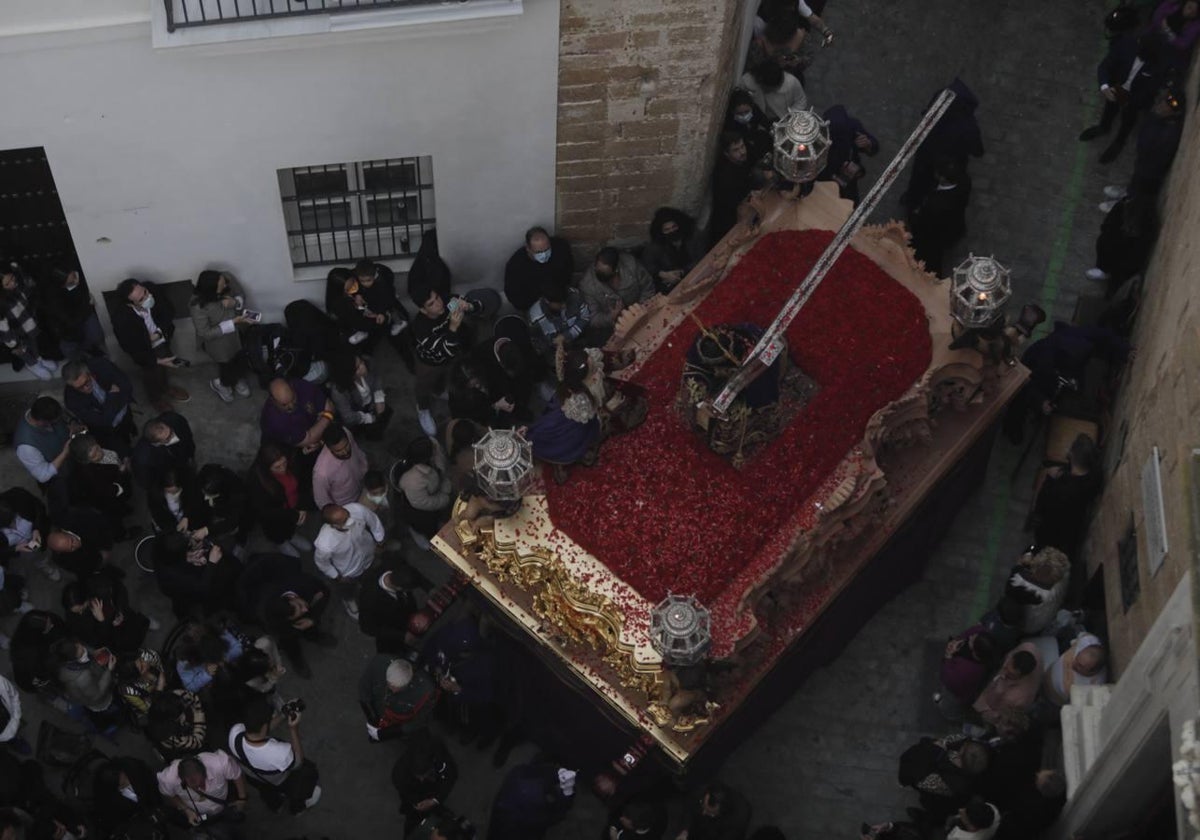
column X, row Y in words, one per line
column 284, row 144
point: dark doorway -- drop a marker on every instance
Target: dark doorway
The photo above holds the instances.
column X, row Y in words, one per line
column 33, row 227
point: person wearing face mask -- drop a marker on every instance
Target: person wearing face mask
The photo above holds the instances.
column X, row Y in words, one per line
column 358, row 395
column 613, row 281
column 143, row 327
column 744, row 117
column 673, row 249
column 176, row 504
column 375, row 497
column 166, row 443
column 346, row 546
column 544, row 259
column 216, row 311
column 18, row 328
column 71, row 311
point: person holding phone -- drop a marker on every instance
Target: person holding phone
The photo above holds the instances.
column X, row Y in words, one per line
column 219, row 318
column 143, row 327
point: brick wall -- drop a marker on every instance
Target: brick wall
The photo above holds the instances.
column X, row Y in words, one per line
column 1160, row 404
column 642, row 88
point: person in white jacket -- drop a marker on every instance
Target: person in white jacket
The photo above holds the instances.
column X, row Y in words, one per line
column 346, row 547
column 10, row 718
column 977, row 820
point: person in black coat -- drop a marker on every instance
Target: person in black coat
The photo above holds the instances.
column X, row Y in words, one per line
column 288, row 603
column 744, row 117
column 642, row 816
column 732, row 180
column 531, row 799
column 475, row 675
column 423, row 775
column 71, row 313
column 1126, row 238
column 199, row 579
column 719, row 813
column 1125, row 96
column 384, row 609
column 81, row 541
column 143, row 324
column 98, row 613
column 544, row 259
column 34, row 669
column 377, row 288
column 166, row 442
column 1157, row 143
column 125, row 789
column 178, row 489
column 940, row 219
column 956, row 136
column 849, row 141
column 1057, row 362
column 100, row 396
column 97, row 479
column 1060, row 509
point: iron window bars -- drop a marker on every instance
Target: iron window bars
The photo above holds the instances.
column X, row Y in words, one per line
column 342, row 212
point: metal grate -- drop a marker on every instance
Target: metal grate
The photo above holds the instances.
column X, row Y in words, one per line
column 185, row 13
column 340, row 212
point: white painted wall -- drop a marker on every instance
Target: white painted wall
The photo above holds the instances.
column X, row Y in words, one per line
column 171, row 155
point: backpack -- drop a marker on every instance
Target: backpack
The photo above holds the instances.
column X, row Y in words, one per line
column 272, row 352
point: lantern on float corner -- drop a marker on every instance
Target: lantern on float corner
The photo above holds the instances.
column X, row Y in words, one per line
column 979, row 289
column 801, row 145
column 504, row 464
column 680, row 629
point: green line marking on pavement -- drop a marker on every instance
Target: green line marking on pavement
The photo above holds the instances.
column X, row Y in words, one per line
column 980, row 602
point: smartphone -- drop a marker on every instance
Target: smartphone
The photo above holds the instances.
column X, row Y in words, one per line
column 453, row 305
column 251, row 315
column 178, row 362
column 102, row 656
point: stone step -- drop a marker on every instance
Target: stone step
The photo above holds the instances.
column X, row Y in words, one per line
column 1081, row 739
column 1072, row 747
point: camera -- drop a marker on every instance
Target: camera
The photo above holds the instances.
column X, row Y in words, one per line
column 292, row 707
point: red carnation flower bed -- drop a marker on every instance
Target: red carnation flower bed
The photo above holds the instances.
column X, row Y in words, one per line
column 666, row 514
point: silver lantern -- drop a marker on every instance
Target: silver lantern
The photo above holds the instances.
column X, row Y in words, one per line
column 680, row 630
column 979, row 289
column 801, row 145
column 504, row 464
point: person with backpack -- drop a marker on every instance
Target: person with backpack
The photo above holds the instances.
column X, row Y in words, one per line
column 278, row 769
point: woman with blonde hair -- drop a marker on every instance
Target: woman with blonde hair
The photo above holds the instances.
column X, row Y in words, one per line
column 1038, row 583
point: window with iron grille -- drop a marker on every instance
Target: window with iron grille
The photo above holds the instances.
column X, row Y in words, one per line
column 341, row 212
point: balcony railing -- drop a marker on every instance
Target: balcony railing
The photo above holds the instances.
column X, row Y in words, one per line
column 187, row 13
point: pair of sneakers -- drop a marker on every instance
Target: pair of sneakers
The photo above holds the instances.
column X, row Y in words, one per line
column 226, row 393
column 43, row 369
column 1112, row 193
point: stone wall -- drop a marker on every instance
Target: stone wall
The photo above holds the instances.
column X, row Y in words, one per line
column 1159, row 406
column 642, row 88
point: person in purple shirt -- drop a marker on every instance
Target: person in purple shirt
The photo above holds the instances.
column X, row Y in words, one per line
column 966, row 664
column 296, row 414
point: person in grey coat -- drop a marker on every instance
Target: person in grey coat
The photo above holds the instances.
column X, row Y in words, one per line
column 216, row 311
column 612, row 282
column 86, row 679
column 358, row 396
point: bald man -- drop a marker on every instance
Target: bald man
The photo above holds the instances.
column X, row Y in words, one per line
column 296, row 414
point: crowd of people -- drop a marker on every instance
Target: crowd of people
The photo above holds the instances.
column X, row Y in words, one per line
column 250, row 557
